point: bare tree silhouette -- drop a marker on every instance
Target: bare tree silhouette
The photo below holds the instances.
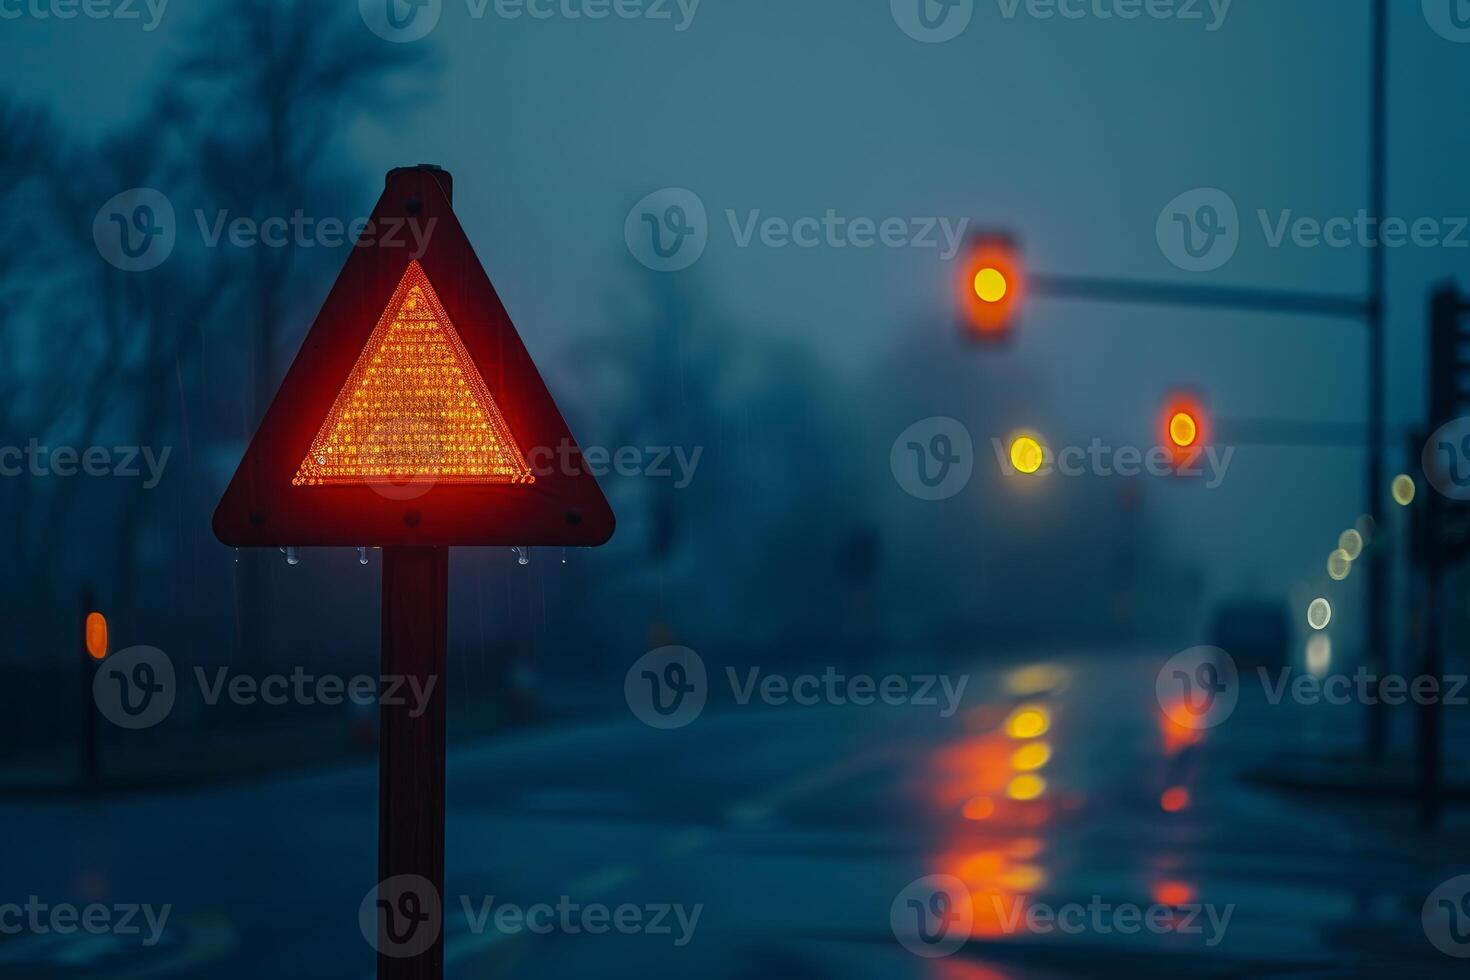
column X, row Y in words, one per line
column 249, row 118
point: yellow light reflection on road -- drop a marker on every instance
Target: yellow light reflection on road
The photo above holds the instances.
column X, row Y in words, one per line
column 1030, row 757
column 1026, row 787
column 1028, row 721
column 1035, row 679
column 1023, row 878
column 1319, row 655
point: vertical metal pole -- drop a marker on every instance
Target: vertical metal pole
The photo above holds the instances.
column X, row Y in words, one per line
column 1445, row 311
column 1431, row 714
column 1378, row 566
column 86, row 705
column 411, row 772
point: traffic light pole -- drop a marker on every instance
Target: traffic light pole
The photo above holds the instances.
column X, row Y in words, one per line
column 1137, row 292
column 1378, row 567
column 1276, row 432
column 1440, row 539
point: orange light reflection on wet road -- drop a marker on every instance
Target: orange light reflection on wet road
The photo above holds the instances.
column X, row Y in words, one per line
column 991, row 780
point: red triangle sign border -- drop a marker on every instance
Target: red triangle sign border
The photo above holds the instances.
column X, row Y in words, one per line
column 559, row 503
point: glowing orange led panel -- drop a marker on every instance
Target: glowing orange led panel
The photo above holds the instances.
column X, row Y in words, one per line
column 414, row 407
column 96, row 635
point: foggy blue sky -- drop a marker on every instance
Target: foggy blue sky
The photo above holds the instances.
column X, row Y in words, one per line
column 1075, row 134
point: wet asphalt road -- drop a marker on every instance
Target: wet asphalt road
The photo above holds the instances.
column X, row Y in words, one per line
column 762, row 841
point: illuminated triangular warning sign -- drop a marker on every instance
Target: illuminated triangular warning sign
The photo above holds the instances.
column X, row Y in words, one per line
column 413, row 414
column 414, row 407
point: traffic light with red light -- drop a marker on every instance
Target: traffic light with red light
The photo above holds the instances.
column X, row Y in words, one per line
column 1184, row 429
column 991, row 287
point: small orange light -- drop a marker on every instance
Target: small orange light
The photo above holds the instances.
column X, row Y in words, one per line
column 1183, row 429
column 96, row 633
column 991, row 287
column 1026, row 848
column 980, row 808
column 1174, row 893
column 982, row 866
column 1022, row 878
column 1175, row 798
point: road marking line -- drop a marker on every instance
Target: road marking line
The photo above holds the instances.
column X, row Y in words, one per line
column 688, row 842
column 808, row 784
column 605, row 880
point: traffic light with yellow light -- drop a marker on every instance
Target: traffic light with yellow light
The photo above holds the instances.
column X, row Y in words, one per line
column 991, row 287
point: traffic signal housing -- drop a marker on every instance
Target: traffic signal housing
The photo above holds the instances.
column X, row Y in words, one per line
column 991, row 287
